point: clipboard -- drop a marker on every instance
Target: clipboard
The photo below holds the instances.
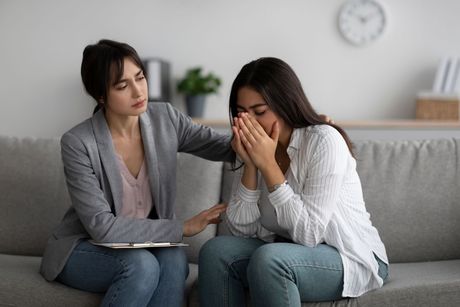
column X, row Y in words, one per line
column 147, row 244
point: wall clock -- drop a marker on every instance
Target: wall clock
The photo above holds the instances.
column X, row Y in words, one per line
column 362, row 21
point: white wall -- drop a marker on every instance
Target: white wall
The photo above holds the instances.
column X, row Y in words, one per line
column 41, row 43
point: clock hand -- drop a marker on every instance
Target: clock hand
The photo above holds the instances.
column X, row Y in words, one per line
column 367, row 17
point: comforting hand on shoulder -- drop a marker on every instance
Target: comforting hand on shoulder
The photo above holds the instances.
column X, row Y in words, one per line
column 327, row 119
column 258, row 144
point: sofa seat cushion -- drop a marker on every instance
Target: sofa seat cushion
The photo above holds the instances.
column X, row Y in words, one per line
column 22, row 285
column 419, row 284
column 410, row 284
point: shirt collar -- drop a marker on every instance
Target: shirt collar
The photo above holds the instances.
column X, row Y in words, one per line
column 294, row 142
column 294, row 146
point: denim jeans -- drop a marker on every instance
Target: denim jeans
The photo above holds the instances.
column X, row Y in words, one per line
column 277, row 274
column 129, row 277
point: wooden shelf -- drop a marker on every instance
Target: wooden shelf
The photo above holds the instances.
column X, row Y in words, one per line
column 363, row 124
column 220, row 123
column 400, row 124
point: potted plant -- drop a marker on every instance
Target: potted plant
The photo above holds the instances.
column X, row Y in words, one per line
column 195, row 86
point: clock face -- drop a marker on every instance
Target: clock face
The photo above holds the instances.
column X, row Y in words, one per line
column 362, row 21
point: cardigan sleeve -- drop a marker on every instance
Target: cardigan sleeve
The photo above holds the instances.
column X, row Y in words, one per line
column 93, row 209
column 200, row 140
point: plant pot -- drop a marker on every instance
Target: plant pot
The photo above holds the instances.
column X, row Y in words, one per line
column 195, row 105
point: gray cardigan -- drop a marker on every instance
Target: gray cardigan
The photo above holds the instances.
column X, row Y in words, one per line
column 95, row 186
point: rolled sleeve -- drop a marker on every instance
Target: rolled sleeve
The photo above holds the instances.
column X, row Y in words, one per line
column 246, row 195
column 281, row 196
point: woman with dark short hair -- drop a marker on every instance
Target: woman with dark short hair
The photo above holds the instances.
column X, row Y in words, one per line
column 120, row 168
column 301, row 229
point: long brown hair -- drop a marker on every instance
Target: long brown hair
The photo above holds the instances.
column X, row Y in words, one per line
column 281, row 89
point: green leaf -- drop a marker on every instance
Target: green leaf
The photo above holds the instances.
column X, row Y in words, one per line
column 196, row 83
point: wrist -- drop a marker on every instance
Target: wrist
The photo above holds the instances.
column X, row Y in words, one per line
column 250, row 167
column 249, row 178
column 272, row 175
column 186, row 229
column 270, row 166
column 275, row 187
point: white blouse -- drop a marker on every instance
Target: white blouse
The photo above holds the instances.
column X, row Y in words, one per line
column 323, row 203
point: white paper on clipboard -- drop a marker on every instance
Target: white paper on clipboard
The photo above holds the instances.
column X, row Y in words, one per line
column 138, row 245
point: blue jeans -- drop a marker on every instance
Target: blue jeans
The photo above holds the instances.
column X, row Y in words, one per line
column 277, row 274
column 129, row 277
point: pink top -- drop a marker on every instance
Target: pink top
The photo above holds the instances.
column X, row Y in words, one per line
column 137, row 198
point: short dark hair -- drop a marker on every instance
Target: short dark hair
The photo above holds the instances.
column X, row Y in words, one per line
column 282, row 90
column 102, row 65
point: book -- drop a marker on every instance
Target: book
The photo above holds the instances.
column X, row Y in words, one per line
column 451, row 75
column 147, row 244
column 154, row 72
column 158, row 78
column 441, row 73
column 456, row 82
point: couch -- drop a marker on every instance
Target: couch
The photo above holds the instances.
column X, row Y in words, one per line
column 411, row 189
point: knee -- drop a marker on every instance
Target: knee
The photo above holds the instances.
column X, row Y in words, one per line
column 178, row 257
column 140, row 266
column 218, row 254
column 213, row 249
column 176, row 262
column 264, row 263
